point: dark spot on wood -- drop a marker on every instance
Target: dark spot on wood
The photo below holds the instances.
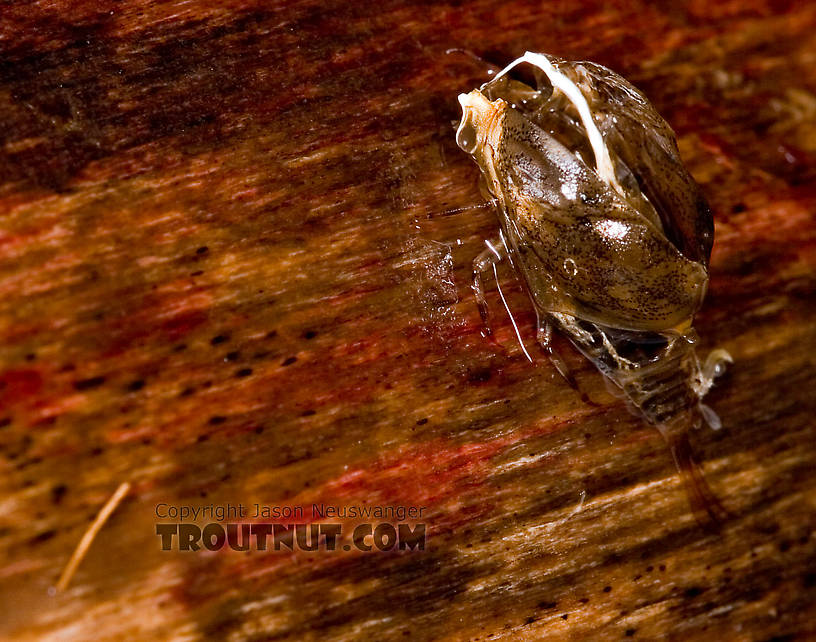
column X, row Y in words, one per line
column 89, row 384
column 309, row 334
column 58, row 492
column 136, row 385
column 5, row 421
column 565, row 616
column 197, row 273
column 692, row 591
column 629, row 632
column 547, row 605
column 202, row 250
column 202, row 438
column 29, row 462
column 308, row 413
column 232, row 356
column 217, row 419
column 271, row 334
column 607, row 589
column 43, row 537
column 186, row 392
column 219, row 338
column 530, row 620
column 259, row 430
column 479, row 375
column 289, row 361
column 422, row 421
column 243, row 372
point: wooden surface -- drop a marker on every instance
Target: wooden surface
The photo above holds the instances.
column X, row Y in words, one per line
column 224, row 277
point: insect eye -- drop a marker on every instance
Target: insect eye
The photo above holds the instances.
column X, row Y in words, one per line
column 466, row 136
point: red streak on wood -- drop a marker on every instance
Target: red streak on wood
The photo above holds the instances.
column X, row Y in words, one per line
column 17, row 386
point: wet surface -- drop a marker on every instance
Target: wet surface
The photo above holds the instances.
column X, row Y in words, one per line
column 235, row 248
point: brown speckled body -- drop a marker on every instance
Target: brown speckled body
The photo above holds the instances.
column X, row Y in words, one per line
column 627, row 274
column 644, row 143
column 608, row 232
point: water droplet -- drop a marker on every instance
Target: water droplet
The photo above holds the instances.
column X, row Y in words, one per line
column 570, row 267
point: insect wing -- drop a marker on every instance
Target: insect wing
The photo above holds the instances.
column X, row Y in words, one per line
column 644, row 142
column 581, row 248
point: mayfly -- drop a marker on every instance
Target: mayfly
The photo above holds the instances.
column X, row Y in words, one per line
column 608, row 232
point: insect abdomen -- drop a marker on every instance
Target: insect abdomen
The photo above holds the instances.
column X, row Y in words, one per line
column 663, row 390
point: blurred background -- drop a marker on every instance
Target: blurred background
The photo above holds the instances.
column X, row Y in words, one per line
column 235, row 256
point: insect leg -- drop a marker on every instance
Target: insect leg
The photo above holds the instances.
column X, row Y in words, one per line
column 714, row 366
column 491, row 68
column 707, row 509
column 544, row 337
column 495, row 252
column 492, row 254
column 458, row 210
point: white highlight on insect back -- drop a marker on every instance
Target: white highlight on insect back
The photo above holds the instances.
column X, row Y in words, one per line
column 612, row 229
column 603, row 163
